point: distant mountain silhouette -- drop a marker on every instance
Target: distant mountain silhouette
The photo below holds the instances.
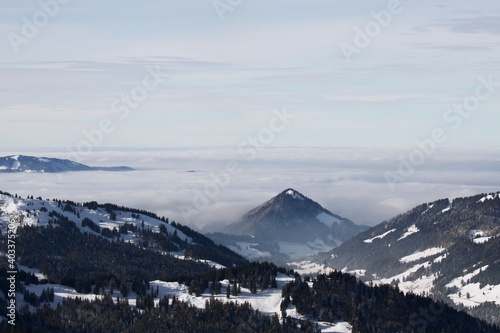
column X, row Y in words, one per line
column 21, row 163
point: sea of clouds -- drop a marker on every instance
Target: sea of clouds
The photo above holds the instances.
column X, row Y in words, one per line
column 208, row 188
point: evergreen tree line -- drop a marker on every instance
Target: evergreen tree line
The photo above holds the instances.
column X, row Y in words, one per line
column 254, row 276
column 81, row 260
column 371, row 309
column 168, row 315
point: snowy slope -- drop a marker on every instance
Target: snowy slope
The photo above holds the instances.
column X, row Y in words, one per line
column 113, row 222
column 447, row 249
column 35, row 212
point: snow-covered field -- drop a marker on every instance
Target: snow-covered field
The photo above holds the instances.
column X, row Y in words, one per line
column 267, row 302
column 307, row 267
column 471, row 294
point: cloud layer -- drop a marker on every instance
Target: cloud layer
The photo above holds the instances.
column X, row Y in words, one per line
column 349, row 181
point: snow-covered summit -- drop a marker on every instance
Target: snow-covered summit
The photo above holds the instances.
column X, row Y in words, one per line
column 294, row 194
column 295, row 224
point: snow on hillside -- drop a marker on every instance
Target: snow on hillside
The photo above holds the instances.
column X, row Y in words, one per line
column 422, row 254
column 481, row 240
column 404, row 275
column 457, row 282
column 410, row 231
column 489, row 197
column 34, row 212
column 308, row 267
column 267, row 302
column 295, row 195
column 471, row 294
column 368, row 241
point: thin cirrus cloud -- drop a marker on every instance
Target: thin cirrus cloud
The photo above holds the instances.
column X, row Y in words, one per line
column 263, row 55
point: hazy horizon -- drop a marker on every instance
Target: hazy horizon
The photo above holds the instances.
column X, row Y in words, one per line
column 350, row 182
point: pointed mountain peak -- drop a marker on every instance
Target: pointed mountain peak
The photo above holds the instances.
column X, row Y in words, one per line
column 291, row 216
column 293, row 194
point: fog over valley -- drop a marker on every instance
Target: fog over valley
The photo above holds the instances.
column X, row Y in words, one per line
column 209, row 188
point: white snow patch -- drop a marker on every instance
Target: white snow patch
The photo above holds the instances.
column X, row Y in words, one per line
column 411, row 230
column 267, row 301
column 34, row 271
column 356, row 272
column 488, row 197
column 422, row 254
column 379, row 236
column 472, row 295
column 60, row 292
column 428, row 208
column 418, row 286
column 450, row 206
column 481, row 240
column 294, row 195
column 309, row 267
column 342, row 327
column 457, row 282
column 403, row 275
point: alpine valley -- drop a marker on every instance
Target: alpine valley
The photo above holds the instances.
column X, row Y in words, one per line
column 91, row 267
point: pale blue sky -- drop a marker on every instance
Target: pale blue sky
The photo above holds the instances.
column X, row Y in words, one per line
column 225, row 77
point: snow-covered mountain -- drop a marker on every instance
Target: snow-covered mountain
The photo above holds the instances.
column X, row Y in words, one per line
column 21, row 163
column 448, row 249
column 106, row 266
column 287, row 227
column 116, row 223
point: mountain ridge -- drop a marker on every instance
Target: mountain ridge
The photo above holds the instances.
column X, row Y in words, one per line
column 28, row 164
column 446, row 248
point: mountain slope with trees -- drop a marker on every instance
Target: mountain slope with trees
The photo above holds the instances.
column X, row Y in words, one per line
column 288, row 227
column 447, row 249
column 87, row 267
